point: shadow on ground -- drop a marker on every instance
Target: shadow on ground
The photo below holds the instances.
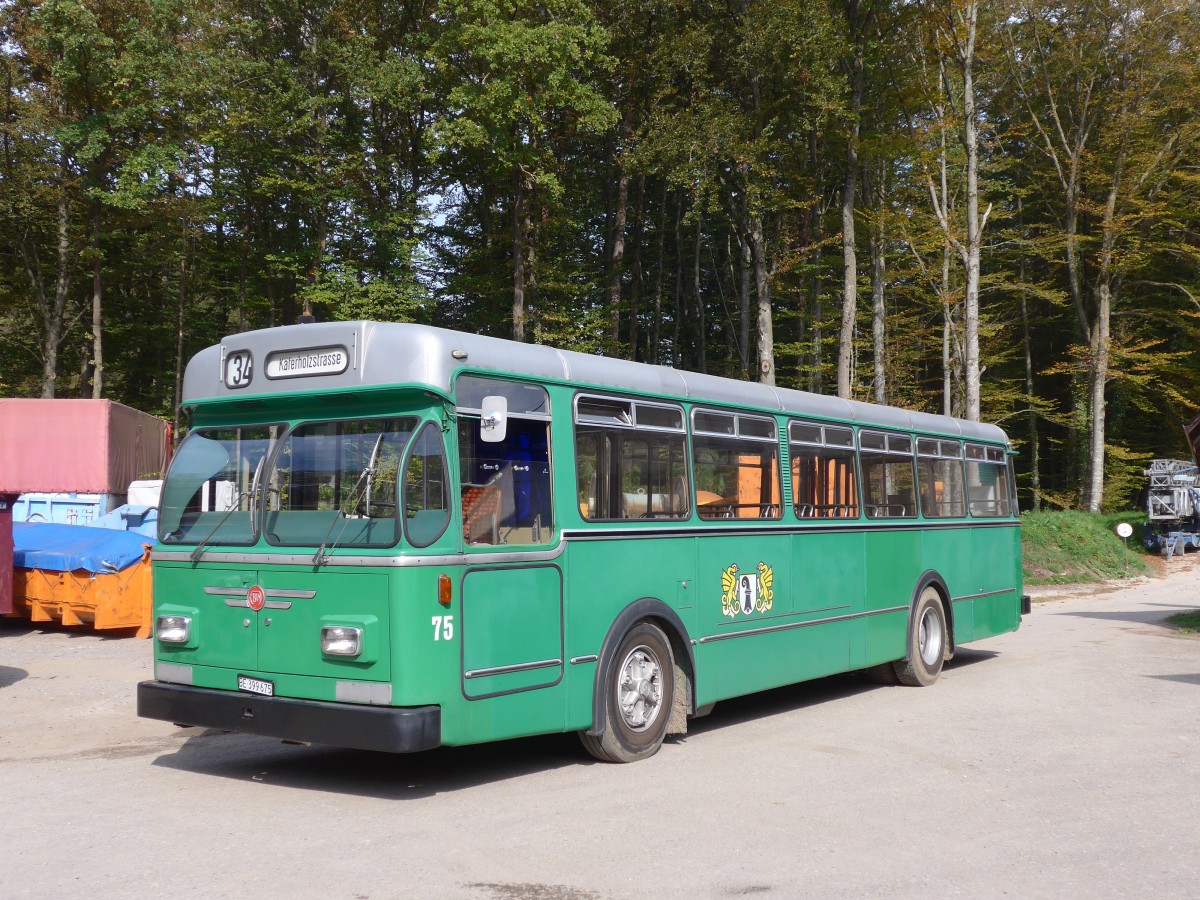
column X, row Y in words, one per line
column 10, row 675
column 212, row 752
column 1149, row 614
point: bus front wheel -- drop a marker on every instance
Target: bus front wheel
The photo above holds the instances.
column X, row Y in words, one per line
column 927, row 641
column 638, row 696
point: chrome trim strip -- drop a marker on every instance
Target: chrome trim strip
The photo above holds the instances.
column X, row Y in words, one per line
column 293, row 595
column 226, row 591
column 235, row 602
column 789, row 626
column 982, row 594
column 277, row 604
column 518, row 667
column 577, row 660
column 370, row 692
column 172, row 673
column 383, row 562
column 779, row 528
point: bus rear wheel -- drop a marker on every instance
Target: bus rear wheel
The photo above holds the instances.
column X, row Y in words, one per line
column 639, row 692
column 927, row 642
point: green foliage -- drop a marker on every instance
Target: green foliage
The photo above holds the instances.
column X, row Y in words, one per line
column 633, row 170
column 1069, row 546
column 1186, row 623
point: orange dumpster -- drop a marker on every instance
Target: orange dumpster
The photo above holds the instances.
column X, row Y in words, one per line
column 115, row 600
column 81, row 576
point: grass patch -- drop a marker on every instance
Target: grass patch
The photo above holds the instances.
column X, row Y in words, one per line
column 1070, row 547
column 1187, row 623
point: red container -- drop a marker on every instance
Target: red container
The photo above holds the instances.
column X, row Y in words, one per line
column 88, row 446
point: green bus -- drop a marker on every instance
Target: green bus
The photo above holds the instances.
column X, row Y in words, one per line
column 395, row 537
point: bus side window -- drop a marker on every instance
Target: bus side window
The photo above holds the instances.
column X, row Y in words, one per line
column 888, row 476
column 941, row 478
column 426, row 493
column 736, row 462
column 824, row 485
column 630, row 460
column 987, row 482
column 505, row 486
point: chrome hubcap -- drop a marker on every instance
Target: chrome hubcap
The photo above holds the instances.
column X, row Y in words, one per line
column 639, row 694
column 930, row 637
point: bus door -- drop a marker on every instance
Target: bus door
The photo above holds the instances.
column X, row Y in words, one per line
column 512, row 600
column 512, row 629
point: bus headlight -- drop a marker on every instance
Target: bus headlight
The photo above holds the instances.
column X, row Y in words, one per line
column 341, row 640
column 173, row 629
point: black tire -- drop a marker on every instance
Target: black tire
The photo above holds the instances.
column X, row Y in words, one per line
column 638, row 695
column 928, row 639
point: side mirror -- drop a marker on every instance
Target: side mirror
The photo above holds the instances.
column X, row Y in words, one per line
column 493, row 426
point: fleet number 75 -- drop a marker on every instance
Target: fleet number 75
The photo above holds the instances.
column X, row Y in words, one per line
column 443, row 628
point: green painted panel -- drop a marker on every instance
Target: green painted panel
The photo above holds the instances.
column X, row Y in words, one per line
column 893, row 563
column 511, row 617
column 829, row 573
column 603, row 577
column 745, row 582
column 742, row 665
column 222, row 636
column 290, row 639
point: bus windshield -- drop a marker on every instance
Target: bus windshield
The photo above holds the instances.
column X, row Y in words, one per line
column 337, row 483
column 209, row 491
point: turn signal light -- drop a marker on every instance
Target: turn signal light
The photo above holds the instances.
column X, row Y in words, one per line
column 444, row 590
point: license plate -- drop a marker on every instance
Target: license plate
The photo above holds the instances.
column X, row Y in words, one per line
column 256, row 686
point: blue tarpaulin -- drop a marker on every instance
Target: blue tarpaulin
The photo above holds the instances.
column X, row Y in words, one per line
column 65, row 548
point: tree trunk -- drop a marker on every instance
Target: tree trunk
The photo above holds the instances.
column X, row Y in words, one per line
column 635, row 270
column 762, row 285
column 656, row 321
column 97, row 307
column 616, row 258
column 181, row 304
column 53, row 317
column 974, row 224
column 1098, row 350
column 518, row 255
column 849, row 253
column 1035, row 477
column 744, row 268
column 878, row 274
column 701, row 327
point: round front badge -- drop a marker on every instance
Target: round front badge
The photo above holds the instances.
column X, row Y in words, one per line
column 255, row 598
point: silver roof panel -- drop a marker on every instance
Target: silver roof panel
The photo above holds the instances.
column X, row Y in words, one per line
column 381, row 354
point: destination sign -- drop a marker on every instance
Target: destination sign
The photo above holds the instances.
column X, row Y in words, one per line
column 314, row 361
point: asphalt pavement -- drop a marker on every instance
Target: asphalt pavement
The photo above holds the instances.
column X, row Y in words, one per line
column 1060, row 760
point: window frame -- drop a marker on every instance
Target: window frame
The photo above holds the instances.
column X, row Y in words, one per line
column 897, row 453
column 272, row 463
column 737, row 435
column 940, row 450
column 627, row 427
column 998, row 459
column 840, row 450
column 447, row 492
column 463, row 413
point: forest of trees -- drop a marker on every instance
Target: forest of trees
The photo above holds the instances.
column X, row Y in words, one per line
column 989, row 210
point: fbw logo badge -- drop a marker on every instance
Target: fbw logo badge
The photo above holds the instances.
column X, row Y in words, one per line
column 743, row 593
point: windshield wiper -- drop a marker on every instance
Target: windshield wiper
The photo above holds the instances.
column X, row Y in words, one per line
column 356, row 494
column 237, row 502
column 233, row 507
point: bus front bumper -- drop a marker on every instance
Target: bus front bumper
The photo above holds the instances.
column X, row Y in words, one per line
column 385, row 728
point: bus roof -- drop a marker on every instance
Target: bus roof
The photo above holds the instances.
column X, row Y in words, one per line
column 343, row 356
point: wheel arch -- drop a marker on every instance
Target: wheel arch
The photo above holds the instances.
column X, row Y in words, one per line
column 931, row 578
column 647, row 609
